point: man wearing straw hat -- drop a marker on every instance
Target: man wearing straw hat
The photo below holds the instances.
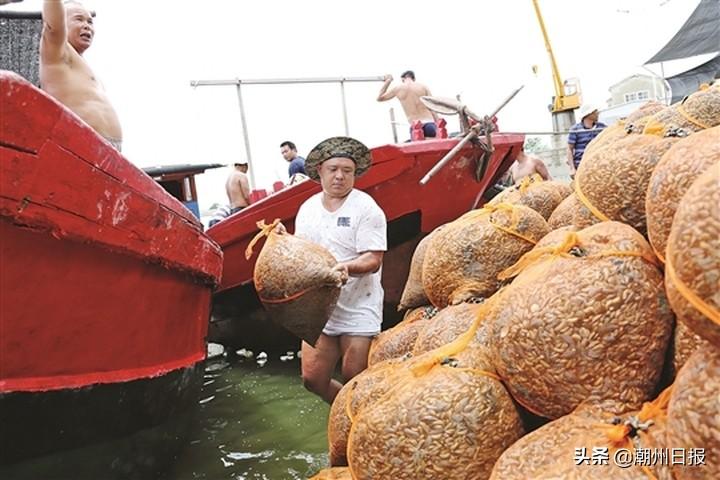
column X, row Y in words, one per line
column 353, row 228
column 581, row 134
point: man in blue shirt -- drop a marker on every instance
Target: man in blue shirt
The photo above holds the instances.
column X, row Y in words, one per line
column 581, row 134
column 289, row 153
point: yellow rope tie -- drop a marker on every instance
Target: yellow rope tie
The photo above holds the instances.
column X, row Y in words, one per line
column 571, row 240
column 657, row 254
column 528, row 181
column 348, row 402
column 264, row 232
column 653, row 127
column 514, row 220
column 681, row 110
column 698, row 303
column 289, row 298
column 598, row 214
column 562, row 250
column 618, row 435
column 435, row 357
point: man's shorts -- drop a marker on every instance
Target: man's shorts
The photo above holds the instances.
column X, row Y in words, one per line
column 429, row 130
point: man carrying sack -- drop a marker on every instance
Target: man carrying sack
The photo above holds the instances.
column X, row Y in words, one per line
column 353, row 228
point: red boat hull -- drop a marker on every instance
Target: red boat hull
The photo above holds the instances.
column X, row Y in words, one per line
column 412, row 210
column 106, row 279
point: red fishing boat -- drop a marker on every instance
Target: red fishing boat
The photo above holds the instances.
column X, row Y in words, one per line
column 105, row 288
column 412, row 210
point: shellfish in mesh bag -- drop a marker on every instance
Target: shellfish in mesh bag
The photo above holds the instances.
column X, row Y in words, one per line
column 333, row 473
column 413, row 294
column 449, row 323
column 673, row 175
column 585, row 320
column 645, row 111
column 612, row 181
column 571, row 212
column 464, row 258
column 697, row 112
column 610, row 134
column 444, row 420
column 693, row 422
column 400, row 339
column 296, row 281
column 692, row 267
column 361, row 390
column 541, row 196
column 591, row 444
column 684, row 343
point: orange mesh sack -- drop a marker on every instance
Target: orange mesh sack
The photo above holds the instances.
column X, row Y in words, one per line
column 542, row 196
column 413, row 295
column 446, row 421
column 649, row 108
column 612, row 181
column 693, row 257
column 673, row 175
column 571, row 212
column 464, row 258
column 295, row 282
column 449, row 324
column 362, row 390
column 684, row 343
column 334, row 473
column 569, row 446
column 399, row 340
column 634, row 123
column 694, row 414
column 586, row 320
column 697, row 112
column 610, row 134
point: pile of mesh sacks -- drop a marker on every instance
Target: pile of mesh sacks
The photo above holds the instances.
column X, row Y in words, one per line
column 558, row 326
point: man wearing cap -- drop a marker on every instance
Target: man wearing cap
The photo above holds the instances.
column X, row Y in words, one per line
column 581, row 134
column 409, row 93
column 237, row 187
column 353, row 228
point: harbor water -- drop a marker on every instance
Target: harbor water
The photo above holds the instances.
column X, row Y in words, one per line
column 255, row 421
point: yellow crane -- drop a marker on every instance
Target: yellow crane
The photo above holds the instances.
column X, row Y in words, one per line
column 567, row 93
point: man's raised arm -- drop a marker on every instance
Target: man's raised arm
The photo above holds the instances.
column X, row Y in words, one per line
column 54, row 33
column 386, row 94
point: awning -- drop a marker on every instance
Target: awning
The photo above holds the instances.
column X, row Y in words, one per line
column 700, row 34
column 688, row 82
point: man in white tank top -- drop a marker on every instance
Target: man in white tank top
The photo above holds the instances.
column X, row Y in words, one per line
column 353, row 228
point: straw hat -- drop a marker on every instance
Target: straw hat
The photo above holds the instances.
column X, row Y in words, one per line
column 586, row 109
column 338, row 147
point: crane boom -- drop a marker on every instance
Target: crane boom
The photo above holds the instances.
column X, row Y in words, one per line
column 562, row 101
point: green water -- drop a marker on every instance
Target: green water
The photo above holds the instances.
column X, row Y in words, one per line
column 255, row 423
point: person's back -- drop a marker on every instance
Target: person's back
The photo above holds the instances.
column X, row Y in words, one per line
column 409, row 93
column 237, row 187
column 66, row 76
column 527, row 165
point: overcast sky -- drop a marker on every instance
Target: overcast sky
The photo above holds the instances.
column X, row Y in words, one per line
column 147, row 52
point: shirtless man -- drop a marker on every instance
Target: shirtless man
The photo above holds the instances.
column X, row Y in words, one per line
column 526, row 165
column 409, row 93
column 237, row 187
column 67, row 32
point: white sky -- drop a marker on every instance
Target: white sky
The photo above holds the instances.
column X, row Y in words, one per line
column 147, row 52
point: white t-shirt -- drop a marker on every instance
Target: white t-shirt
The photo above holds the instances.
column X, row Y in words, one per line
column 358, row 226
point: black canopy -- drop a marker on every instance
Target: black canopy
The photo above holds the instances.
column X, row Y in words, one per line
column 700, row 34
column 688, row 82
